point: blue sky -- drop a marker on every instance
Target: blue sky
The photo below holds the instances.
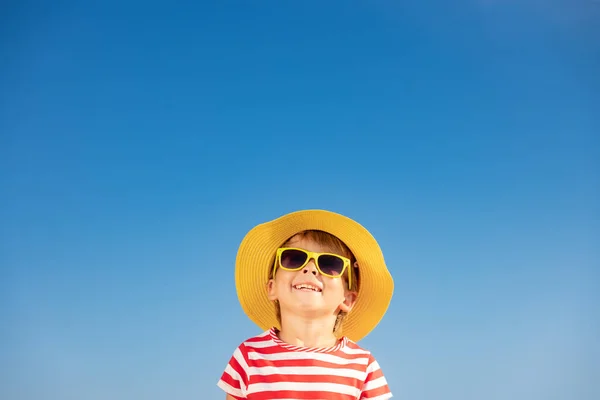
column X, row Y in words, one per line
column 140, row 142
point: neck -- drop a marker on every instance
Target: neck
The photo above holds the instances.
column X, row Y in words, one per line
column 307, row 332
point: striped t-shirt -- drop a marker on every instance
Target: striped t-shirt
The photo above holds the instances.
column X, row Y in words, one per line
column 266, row 368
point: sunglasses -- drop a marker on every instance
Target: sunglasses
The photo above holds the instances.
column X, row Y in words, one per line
column 328, row 264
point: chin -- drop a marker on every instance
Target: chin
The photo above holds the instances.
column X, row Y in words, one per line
column 311, row 310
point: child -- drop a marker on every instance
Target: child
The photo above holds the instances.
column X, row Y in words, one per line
column 316, row 283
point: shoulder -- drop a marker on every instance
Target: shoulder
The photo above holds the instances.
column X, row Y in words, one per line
column 351, row 347
column 261, row 337
column 257, row 342
column 362, row 356
column 355, row 346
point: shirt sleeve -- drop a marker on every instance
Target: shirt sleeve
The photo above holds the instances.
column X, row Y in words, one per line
column 376, row 386
column 234, row 380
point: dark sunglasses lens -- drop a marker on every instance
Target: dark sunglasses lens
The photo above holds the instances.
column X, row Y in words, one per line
column 293, row 259
column 331, row 265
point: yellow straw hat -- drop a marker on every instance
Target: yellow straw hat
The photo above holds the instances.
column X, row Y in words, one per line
column 257, row 253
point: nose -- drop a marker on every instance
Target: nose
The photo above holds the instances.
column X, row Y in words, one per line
column 310, row 267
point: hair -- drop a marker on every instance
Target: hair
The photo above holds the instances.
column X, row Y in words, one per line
column 337, row 246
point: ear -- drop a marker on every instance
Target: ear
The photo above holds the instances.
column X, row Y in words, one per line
column 349, row 300
column 271, row 292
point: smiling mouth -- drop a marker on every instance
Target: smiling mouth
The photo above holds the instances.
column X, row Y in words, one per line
column 306, row 288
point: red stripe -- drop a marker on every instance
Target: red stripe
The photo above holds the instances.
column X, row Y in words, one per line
column 359, row 361
column 234, row 383
column 238, row 368
column 262, row 338
column 343, row 380
column 292, row 394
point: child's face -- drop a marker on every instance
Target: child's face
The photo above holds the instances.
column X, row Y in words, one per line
column 330, row 297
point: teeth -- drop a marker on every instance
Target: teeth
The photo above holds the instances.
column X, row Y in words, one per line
column 309, row 287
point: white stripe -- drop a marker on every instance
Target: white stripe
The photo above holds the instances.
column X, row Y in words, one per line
column 349, row 350
column 304, row 387
column 307, row 356
column 376, row 383
column 260, row 345
column 230, row 389
column 374, row 366
column 237, row 354
column 319, row 371
column 234, row 374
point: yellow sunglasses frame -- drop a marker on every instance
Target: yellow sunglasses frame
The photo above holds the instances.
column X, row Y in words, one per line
column 311, row 255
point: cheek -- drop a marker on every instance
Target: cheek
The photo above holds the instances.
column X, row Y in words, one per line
column 335, row 286
column 283, row 278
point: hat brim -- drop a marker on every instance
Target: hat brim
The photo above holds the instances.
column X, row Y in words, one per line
column 256, row 255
